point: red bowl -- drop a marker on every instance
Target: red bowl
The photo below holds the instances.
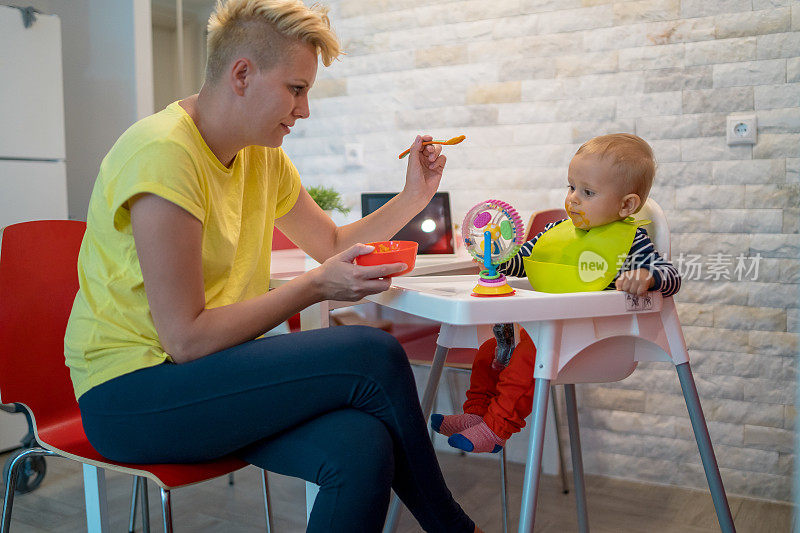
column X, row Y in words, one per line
column 387, row 252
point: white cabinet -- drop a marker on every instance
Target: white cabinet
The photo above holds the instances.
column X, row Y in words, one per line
column 33, row 182
column 31, row 87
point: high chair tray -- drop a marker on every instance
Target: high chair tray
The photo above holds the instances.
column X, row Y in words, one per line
column 448, row 299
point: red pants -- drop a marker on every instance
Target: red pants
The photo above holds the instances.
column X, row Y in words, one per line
column 504, row 398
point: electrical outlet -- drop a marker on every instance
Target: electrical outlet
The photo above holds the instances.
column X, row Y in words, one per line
column 354, row 155
column 742, row 129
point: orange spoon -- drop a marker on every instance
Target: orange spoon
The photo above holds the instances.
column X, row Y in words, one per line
column 454, row 140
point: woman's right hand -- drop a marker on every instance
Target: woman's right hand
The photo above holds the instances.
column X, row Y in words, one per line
column 339, row 278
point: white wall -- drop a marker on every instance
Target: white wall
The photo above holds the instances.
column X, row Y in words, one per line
column 107, row 82
column 527, row 81
column 165, row 64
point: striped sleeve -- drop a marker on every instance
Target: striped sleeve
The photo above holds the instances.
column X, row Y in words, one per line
column 515, row 266
column 643, row 254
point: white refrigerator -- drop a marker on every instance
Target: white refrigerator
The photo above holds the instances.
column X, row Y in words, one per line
column 33, row 179
column 33, row 182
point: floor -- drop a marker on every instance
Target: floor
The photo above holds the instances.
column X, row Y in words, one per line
column 614, row 505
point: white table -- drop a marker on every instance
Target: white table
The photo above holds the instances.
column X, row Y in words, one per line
column 287, row 264
column 294, row 261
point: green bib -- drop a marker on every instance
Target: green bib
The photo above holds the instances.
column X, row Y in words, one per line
column 569, row 259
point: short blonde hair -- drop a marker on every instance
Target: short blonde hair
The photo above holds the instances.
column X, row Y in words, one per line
column 266, row 29
column 631, row 156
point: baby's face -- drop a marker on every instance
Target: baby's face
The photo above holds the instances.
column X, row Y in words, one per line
column 594, row 195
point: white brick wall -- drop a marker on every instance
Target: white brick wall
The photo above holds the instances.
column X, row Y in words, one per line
column 527, row 81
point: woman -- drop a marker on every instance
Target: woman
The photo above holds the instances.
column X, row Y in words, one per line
column 162, row 342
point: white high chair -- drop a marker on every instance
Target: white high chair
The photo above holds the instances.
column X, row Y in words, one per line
column 580, row 338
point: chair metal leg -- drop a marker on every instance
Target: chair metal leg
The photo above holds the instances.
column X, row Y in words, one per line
column 95, row 499
column 577, row 458
column 393, row 516
column 706, row 450
column 145, row 506
column 11, row 482
column 134, row 504
column 166, row 510
column 561, row 463
column 530, row 488
column 267, row 504
column 504, row 489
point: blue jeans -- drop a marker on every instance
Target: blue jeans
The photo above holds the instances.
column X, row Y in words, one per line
column 337, row 407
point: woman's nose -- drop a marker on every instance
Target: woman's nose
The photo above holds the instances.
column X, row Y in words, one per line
column 302, row 108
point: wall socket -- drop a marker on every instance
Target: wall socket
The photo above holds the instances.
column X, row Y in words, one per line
column 354, row 155
column 742, row 129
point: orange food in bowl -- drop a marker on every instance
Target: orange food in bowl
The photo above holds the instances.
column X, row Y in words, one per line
column 387, row 252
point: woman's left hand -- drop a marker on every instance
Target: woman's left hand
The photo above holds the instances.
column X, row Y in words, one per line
column 425, row 167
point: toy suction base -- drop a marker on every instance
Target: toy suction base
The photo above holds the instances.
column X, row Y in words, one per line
column 484, row 292
column 492, row 287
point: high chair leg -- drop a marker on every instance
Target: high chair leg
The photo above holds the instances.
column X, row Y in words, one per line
column 455, row 398
column 504, row 488
column 439, row 356
column 561, row 463
column 530, row 488
column 431, row 432
column 577, row 458
column 452, row 388
column 706, row 450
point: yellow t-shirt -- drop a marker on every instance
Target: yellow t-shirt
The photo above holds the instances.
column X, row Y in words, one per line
column 110, row 331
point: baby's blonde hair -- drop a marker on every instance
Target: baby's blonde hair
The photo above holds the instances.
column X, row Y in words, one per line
column 265, row 29
column 631, row 157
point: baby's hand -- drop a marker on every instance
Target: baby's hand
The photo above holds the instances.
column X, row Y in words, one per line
column 636, row 282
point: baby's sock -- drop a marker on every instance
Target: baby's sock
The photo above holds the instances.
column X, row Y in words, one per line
column 478, row 438
column 447, row 425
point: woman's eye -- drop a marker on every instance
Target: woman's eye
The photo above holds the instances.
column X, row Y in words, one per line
column 587, row 192
column 296, row 89
column 571, row 187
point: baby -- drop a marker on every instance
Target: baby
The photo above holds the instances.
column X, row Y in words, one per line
column 609, row 179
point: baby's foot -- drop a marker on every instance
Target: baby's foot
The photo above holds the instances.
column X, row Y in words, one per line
column 478, row 438
column 447, row 425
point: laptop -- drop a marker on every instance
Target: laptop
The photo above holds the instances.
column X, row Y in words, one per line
column 432, row 228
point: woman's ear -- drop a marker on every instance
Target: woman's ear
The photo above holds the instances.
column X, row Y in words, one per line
column 240, row 71
column 629, row 204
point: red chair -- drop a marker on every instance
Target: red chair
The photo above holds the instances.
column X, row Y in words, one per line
column 38, row 282
column 281, row 241
column 540, row 219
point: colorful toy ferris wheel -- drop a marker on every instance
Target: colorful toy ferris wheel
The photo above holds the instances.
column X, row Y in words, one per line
column 493, row 233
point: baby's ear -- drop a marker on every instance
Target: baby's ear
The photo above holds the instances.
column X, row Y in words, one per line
column 629, row 204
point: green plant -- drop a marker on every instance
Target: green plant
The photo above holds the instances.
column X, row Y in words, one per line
column 327, row 198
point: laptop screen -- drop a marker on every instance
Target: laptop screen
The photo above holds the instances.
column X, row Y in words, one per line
column 432, row 228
